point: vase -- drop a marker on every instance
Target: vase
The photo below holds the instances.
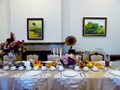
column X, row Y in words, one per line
column 11, row 57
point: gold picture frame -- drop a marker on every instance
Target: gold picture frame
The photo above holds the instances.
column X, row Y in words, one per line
column 35, row 28
column 94, row 26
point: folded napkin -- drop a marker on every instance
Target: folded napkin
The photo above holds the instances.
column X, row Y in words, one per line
column 3, row 73
column 71, row 79
column 30, row 78
column 113, row 75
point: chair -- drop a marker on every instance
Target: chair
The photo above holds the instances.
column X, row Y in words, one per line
column 96, row 56
column 32, row 56
column 1, row 61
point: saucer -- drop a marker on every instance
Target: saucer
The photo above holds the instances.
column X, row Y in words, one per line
column 6, row 67
column 35, row 68
column 13, row 68
column 95, row 70
column 43, row 68
column 21, row 68
column 28, row 68
column 52, row 68
column 76, row 69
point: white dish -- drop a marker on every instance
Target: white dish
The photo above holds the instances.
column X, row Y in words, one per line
column 85, row 69
column 52, row 68
column 21, row 68
column 48, row 61
column 94, row 68
column 70, row 73
column 6, row 67
column 28, row 68
column 13, row 68
column 43, row 68
column 32, row 73
column 35, row 68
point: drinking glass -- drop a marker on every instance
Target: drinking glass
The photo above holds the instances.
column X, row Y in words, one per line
column 107, row 60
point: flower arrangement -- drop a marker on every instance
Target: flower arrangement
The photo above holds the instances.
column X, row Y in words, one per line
column 12, row 45
column 70, row 59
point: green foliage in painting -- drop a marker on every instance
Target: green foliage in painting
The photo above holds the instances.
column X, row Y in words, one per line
column 94, row 28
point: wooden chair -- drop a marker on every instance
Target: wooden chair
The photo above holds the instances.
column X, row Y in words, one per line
column 32, row 56
column 96, row 56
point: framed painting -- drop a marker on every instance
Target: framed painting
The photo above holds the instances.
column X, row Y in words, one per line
column 35, row 28
column 94, row 26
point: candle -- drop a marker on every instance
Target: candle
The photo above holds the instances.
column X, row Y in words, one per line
column 60, row 52
column 53, row 51
column 57, row 51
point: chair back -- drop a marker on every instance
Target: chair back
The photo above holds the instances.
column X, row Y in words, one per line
column 33, row 57
column 96, row 57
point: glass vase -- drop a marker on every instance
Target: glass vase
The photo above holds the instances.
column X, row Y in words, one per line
column 11, row 57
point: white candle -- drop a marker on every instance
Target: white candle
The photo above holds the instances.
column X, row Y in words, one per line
column 53, row 51
column 60, row 52
column 57, row 51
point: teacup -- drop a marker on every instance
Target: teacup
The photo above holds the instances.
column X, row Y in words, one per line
column 28, row 68
column 86, row 68
column 43, row 68
column 94, row 68
column 21, row 68
column 13, row 68
column 52, row 68
column 35, row 68
column 77, row 68
column 6, row 67
column 60, row 68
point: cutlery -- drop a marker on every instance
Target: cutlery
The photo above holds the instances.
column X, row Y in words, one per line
column 80, row 74
column 84, row 74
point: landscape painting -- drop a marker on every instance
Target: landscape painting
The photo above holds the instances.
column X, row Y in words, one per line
column 94, row 26
column 35, row 28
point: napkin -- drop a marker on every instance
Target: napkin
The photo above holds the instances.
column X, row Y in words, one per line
column 30, row 78
column 113, row 75
column 3, row 73
column 71, row 82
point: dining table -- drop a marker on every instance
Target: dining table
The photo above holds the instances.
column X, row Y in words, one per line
column 67, row 79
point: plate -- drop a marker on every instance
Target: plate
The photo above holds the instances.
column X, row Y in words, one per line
column 70, row 73
column 52, row 68
column 32, row 73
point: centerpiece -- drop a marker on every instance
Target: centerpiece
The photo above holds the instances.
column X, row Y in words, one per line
column 70, row 60
column 12, row 47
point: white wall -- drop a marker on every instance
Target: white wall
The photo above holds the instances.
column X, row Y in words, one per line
column 70, row 14
column 75, row 10
column 4, row 19
column 50, row 10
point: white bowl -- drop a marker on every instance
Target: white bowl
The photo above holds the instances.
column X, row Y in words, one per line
column 21, row 68
column 76, row 68
column 13, row 68
column 35, row 68
column 29, row 68
column 60, row 68
column 43, row 68
column 52, row 68
column 6, row 67
column 86, row 68
column 95, row 68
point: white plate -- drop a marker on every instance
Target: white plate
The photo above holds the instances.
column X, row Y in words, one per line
column 48, row 61
column 32, row 73
column 70, row 73
column 95, row 70
column 52, row 69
